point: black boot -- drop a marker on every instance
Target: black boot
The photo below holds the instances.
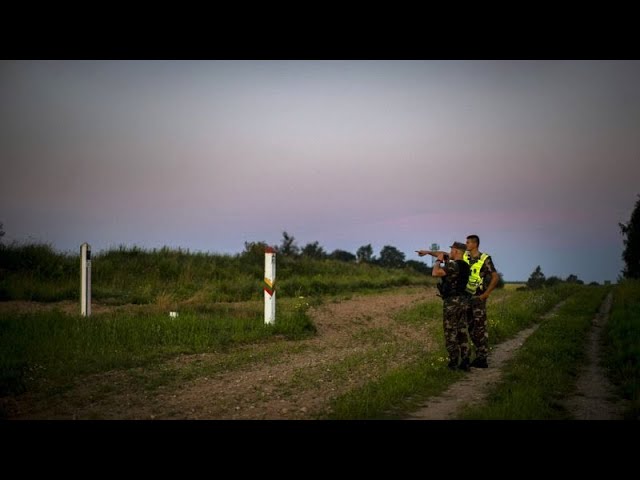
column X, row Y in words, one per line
column 464, row 364
column 479, row 362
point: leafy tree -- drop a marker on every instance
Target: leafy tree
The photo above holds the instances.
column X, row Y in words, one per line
column 365, row 254
column 631, row 253
column 573, row 279
column 254, row 250
column 313, row 250
column 552, row 280
column 500, row 283
column 252, row 258
column 254, row 247
column 537, row 278
column 288, row 246
column 1, row 231
column 391, row 257
column 343, row 256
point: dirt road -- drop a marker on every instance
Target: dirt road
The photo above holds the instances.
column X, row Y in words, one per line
column 594, row 399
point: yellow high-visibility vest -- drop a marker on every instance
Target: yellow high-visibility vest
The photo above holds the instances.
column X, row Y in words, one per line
column 474, row 276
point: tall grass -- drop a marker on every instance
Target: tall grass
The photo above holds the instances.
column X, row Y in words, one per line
column 134, row 275
column 622, row 344
column 544, row 370
column 56, row 347
column 36, row 272
column 401, row 389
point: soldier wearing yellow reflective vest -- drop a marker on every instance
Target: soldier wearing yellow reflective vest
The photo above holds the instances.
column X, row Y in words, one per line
column 483, row 278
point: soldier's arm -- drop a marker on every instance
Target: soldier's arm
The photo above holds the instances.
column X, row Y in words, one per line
column 437, row 270
column 450, row 268
column 495, row 278
column 422, row 253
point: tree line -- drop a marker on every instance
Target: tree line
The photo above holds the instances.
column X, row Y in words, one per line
column 388, row 257
column 538, row 279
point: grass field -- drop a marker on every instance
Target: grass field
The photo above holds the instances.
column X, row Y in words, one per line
column 58, row 347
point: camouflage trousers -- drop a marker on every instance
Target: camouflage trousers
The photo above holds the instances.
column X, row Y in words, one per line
column 477, row 321
column 455, row 327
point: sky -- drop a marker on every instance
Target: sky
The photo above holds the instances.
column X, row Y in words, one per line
column 540, row 159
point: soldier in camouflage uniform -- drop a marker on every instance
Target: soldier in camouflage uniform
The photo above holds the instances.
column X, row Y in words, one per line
column 483, row 278
column 454, row 275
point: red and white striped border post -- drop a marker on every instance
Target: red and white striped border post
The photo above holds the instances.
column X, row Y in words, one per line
column 270, row 285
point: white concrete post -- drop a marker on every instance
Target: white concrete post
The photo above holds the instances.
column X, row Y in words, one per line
column 85, row 280
column 270, row 285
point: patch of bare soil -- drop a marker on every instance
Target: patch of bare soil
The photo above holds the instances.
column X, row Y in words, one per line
column 275, row 389
column 474, row 387
column 595, row 398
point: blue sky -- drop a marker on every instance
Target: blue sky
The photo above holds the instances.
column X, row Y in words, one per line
column 541, row 159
